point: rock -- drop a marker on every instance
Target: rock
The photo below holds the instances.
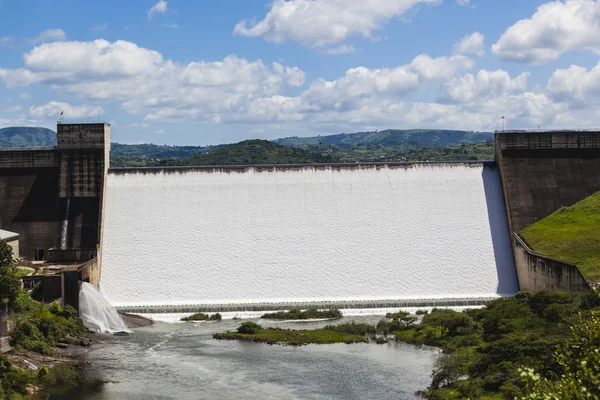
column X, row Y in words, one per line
column 122, row 333
column 85, row 342
column 62, row 345
column 32, row 389
column 30, row 365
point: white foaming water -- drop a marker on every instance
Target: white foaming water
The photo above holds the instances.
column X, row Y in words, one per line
column 65, row 227
column 209, row 236
column 96, row 312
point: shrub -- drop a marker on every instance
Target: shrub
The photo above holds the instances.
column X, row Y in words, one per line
column 43, row 371
column 55, row 308
column 16, row 381
column 311, row 313
column 195, row 317
column 62, row 375
column 23, row 303
column 249, row 327
column 422, row 312
column 352, row 328
column 215, row 317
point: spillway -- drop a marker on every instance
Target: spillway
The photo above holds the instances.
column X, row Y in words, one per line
column 290, row 234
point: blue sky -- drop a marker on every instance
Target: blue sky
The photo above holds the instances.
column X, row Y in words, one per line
column 206, row 72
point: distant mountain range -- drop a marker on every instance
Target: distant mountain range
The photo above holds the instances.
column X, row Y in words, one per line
column 254, row 152
column 20, row 136
column 387, row 145
column 392, row 137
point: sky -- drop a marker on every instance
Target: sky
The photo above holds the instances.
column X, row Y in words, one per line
column 209, row 72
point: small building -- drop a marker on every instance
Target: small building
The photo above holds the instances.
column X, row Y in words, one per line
column 12, row 239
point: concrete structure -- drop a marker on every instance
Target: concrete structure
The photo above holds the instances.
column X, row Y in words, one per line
column 37, row 187
column 541, row 172
column 537, row 272
column 12, row 239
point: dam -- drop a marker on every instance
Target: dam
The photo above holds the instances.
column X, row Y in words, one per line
column 276, row 236
column 301, row 234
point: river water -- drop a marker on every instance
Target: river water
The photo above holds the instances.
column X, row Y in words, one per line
column 182, row 361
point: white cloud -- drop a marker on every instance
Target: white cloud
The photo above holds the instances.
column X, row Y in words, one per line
column 159, row 8
column 555, row 28
column 160, row 132
column 147, row 84
column 471, row 44
column 172, row 26
column 273, row 96
column 483, row 86
column 576, row 86
column 323, row 23
column 462, row 2
column 53, row 109
column 25, row 96
column 50, row 35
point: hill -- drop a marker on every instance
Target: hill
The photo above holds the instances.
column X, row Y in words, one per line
column 429, row 137
column 254, row 152
column 571, row 235
column 22, row 136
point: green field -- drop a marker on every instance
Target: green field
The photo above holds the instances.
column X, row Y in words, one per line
column 571, row 234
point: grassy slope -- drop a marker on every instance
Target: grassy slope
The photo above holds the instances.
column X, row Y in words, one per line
column 254, row 152
column 571, row 234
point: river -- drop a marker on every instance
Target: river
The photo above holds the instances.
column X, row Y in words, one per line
column 182, row 361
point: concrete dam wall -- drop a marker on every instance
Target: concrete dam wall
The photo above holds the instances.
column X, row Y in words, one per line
column 230, row 235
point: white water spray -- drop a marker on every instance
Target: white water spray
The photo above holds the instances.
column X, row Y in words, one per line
column 65, row 227
column 287, row 235
column 96, row 312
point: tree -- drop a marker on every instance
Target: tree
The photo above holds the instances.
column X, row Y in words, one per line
column 579, row 358
column 449, row 321
column 10, row 284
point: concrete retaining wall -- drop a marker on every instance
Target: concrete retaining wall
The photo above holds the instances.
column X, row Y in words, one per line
column 537, row 272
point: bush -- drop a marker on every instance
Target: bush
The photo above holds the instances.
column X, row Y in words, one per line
column 23, row 303
column 215, row 317
column 352, row 328
column 62, row 375
column 249, row 328
column 311, row 313
column 16, row 382
column 422, row 312
column 202, row 317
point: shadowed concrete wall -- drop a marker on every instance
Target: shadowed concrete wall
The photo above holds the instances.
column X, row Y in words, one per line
column 29, row 198
column 537, row 272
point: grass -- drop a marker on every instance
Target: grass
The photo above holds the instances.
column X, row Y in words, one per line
column 293, row 337
column 571, row 234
